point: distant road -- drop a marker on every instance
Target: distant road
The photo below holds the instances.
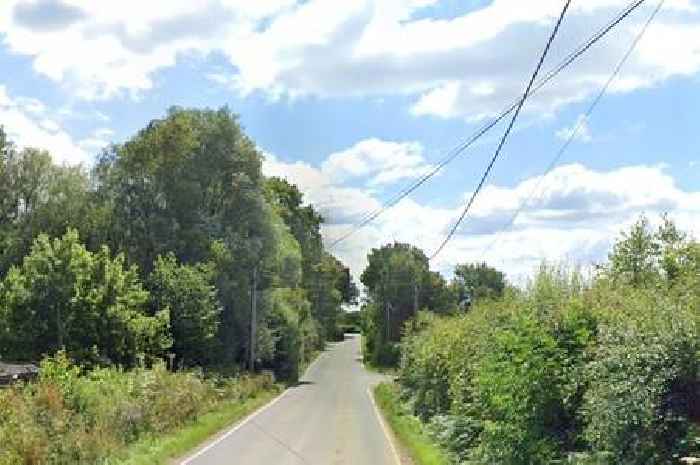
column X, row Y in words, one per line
column 328, row 419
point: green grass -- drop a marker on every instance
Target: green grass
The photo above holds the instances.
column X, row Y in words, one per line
column 407, row 428
column 382, row 370
column 162, row 450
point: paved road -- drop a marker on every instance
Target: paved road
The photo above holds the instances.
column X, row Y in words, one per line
column 327, row 420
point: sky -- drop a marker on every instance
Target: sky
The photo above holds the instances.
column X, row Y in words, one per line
column 353, row 100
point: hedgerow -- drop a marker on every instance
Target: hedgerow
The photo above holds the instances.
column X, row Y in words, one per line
column 602, row 370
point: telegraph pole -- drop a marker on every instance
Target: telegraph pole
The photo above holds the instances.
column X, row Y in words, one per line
column 389, row 309
column 415, row 298
column 253, row 318
column 388, row 322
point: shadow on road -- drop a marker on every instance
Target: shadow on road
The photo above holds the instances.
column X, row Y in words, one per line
column 302, row 383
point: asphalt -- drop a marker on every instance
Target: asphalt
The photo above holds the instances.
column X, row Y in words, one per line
column 328, row 419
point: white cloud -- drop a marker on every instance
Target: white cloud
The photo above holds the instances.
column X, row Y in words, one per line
column 580, row 131
column 574, row 213
column 337, row 203
column 103, row 49
column 377, row 161
column 27, row 123
column 464, row 66
column 468, row 66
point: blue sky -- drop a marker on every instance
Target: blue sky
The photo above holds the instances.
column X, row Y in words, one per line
column 353, row 100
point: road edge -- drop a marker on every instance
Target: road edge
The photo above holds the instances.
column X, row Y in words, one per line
column 387, row 431
column 219, row 437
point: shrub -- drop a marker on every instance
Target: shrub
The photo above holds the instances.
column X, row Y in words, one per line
column 518, row 395
column 73, row 417
column 641, row 382
column 568, row 370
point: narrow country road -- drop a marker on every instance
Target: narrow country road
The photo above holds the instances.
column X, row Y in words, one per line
column 328, row 419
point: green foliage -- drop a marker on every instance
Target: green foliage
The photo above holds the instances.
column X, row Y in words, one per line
column 599, row 371
column 517, row 395
column 186, row 293
column 37, row 196
column 185, row 208
column 477, row 281
column 413, row 436
column 642, row 379
column 90, row 304
column 350, row 322
column 289, row 343
column 71, row 417
column 633, row 258
column 643, row 257
column 399, row 284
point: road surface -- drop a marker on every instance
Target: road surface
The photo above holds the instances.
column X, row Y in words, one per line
column 328, row 419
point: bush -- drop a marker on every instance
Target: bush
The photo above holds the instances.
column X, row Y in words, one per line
column 642, row 380
column 590, row 372
column 71, row 417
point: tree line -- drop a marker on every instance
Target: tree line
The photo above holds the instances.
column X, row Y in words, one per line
column 166, row 247
column 399, row 283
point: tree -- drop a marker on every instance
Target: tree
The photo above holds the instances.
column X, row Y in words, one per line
column 327, row 281
column 36, row 197
column 191, row 184
column 643, row 257
column 634, row 256
column 186, row 293
column 25, row 180
column 477, row 281
column 66, row 297
column 398, row 283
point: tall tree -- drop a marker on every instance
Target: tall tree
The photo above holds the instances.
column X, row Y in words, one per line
column 475, row 281
column 38, row 197
column 398, row 284
column 182, row 185
column 327, row 281
column 634, row 256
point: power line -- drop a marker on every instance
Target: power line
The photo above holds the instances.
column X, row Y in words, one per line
column 579, row 125
column 502, row 143
column 452, row 154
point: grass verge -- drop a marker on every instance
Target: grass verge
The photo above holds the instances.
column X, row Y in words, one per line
column 408, row 429
column 163, row 450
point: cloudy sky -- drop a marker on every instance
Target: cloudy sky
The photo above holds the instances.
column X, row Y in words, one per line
column 353, row 100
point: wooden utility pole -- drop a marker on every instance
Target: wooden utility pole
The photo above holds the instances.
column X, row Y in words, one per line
column 253, row 318
column 389, row 309
column 415, row 298
column 59, row 327
column 388, row 322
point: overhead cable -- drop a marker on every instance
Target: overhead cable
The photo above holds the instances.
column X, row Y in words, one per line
column 503, row 140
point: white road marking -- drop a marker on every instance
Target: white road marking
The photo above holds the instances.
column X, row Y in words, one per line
column 245, row 421
column 385, row 428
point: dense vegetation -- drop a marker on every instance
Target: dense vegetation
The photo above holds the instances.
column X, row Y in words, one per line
column 412, row 435
column 399, row 283
column 603, row 370
column 172, row 250
column 74, row 417
column 161, row 249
